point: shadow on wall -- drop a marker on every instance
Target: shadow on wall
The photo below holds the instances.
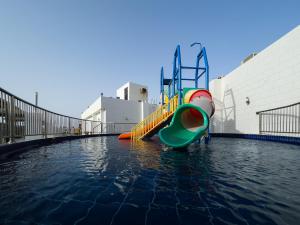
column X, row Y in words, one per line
column 224, row 120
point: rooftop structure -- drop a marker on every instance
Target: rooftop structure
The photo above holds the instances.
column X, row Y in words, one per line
column 133, row 92
column 129, row 107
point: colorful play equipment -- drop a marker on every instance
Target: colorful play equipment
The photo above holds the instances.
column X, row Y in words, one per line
column 183, row 117
column 191, row 119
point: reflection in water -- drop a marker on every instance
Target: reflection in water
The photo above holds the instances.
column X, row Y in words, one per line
column 147, row 153
column 231, row 181
column 92, row 149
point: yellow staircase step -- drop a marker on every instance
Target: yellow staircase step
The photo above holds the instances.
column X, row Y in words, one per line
column 154, row 120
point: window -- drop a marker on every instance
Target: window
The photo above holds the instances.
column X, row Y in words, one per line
column 126, row 93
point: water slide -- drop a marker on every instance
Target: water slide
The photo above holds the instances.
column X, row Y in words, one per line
column 190, row 121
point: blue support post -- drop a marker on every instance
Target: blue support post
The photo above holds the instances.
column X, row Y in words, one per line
column 179, row 87
column 197, row 63
column 196, row 72
column 177, row 74
column 207, row 69
column 169, row 92
column 174, row 75
column 162, row 90
column 207, row 139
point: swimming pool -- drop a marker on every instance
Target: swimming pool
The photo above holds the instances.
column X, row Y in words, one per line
column 103, row 181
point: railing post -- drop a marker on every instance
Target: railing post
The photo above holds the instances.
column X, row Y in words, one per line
column 12, row 120
column 259, row 115
column 69, row 125
column 298, row 119
column 45, row 125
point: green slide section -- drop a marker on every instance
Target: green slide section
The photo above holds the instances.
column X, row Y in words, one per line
column 185, row 128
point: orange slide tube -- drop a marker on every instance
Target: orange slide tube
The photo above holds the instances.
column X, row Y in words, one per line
column 125, row 135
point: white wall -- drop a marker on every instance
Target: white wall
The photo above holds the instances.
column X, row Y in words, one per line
column 107, row 109
column 134, row 92
column 121, row 111
column 146, row 109
column 270, row 79
column 120, row 91
column 93, row 111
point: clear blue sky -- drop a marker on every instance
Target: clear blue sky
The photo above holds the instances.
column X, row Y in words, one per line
column 71, row 51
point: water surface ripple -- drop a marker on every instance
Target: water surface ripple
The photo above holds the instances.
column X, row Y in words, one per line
column 104, row 181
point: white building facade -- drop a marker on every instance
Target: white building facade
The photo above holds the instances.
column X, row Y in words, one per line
column 268, row 80
column 128, row 108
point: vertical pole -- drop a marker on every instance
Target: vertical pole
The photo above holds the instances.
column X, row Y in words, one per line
column 259, row 123
column 36, row 98
column 2, row 132
column 35, row 115
column 197, row 62
column 174, row 73
column 196, row 71
column 69, row 125
column 179, row 85
column 298, row 119
column 206, row 84
column 162, row 91
column 206, row 69
column 12, row 120
column 45, row 124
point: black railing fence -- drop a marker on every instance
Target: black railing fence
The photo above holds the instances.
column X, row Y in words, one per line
column 20, row 120
column 282, row 121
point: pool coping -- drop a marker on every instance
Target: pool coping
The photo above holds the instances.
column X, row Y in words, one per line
column 260, row 137
column 8, row 150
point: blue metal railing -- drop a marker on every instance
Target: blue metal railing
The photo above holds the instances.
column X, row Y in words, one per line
column 175, row 83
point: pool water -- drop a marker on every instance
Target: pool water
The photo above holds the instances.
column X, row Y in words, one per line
column 103, row 181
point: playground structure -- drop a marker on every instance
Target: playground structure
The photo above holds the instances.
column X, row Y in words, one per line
column 185, row 109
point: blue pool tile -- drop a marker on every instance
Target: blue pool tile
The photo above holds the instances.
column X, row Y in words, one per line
column 165, row 198
column 141, row 198
column 162, row 215
column 130, row 214
column 67, row 213
column 100, row 214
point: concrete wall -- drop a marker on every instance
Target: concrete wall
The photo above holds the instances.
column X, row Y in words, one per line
column 270, row 79
column 93, row 111
column 107, row 109
column 120, row 91
column 121, row 111
column 134, row 92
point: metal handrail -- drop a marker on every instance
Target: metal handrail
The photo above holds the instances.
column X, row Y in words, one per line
column 155, row 118
column 281, row 107
column 38, row 107
column 283, row 121
column 20, row 119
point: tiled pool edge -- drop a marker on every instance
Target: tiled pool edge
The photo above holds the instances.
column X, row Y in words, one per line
column 8, row 149
column 273, row 138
